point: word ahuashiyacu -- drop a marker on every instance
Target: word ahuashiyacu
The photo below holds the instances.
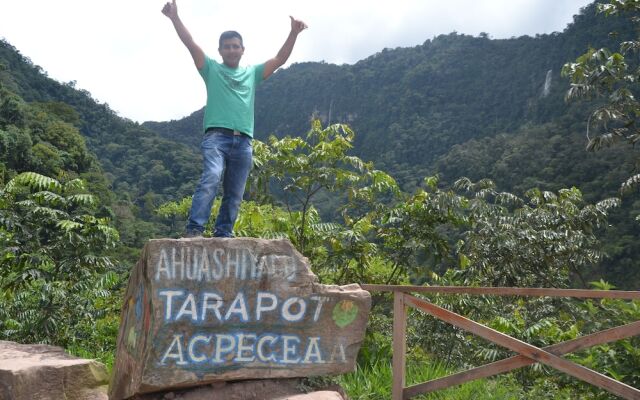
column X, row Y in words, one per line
column 202, row 264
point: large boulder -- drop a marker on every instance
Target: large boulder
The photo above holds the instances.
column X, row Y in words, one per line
column 42, row 372
column 199, row 311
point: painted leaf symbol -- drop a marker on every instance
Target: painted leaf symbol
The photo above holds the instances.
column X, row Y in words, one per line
column 344, row 313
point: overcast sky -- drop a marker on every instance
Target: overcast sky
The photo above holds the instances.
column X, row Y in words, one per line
column 127, row 54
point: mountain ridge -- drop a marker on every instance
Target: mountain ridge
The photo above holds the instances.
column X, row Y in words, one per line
column 448, row 90
column 456, row 105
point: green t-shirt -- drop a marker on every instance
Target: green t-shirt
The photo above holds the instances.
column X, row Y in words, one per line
column 230, row 95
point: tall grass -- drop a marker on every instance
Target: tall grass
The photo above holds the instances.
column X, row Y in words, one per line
column 373, row 382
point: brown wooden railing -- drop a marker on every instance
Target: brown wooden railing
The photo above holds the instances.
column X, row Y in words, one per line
column 528, row 354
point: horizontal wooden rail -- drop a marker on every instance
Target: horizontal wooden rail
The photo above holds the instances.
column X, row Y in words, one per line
column 507, row 291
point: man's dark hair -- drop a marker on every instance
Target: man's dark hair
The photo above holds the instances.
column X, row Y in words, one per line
column 229, row 35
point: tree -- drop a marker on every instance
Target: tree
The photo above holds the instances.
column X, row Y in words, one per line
column 541, row 241
column 303, row 169
column 56, row 273
column 417, row 233
column 471, row 234
column 612, row 78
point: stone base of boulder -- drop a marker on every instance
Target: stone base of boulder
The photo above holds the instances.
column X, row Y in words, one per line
column 263, row 389
column 42, row 372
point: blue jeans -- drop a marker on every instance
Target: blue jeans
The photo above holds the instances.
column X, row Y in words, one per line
column 230, row 158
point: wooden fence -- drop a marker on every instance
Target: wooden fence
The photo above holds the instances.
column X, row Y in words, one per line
column 528, row 354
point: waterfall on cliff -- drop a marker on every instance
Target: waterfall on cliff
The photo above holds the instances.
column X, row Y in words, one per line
column 547, row 84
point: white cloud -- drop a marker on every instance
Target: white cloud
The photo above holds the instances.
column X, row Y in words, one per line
column 127, row 54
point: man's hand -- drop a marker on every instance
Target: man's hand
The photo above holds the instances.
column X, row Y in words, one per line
column 297, row 26
column 171, row 10
column 276, row 62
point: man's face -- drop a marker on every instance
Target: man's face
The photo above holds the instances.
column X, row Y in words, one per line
column 231, row 52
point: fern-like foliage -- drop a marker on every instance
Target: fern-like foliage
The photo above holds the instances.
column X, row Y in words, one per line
column 56, row 272
column 34, row 181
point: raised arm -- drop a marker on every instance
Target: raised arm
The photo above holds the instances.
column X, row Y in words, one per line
column 171, row 11
column 276, row 62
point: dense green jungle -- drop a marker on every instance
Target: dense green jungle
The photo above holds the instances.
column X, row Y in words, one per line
column 465, row 160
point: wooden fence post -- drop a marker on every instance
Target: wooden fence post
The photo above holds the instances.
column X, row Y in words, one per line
column 399, row 345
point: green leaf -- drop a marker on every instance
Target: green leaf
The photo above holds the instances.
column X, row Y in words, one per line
column 69, row 225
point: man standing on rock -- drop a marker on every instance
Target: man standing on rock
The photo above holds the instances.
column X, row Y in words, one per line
column 228, row 122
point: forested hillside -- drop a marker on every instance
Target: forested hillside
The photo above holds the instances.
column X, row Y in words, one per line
column 457, row 106
column 137, row 170
column 411, row 106
column 456, row 162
